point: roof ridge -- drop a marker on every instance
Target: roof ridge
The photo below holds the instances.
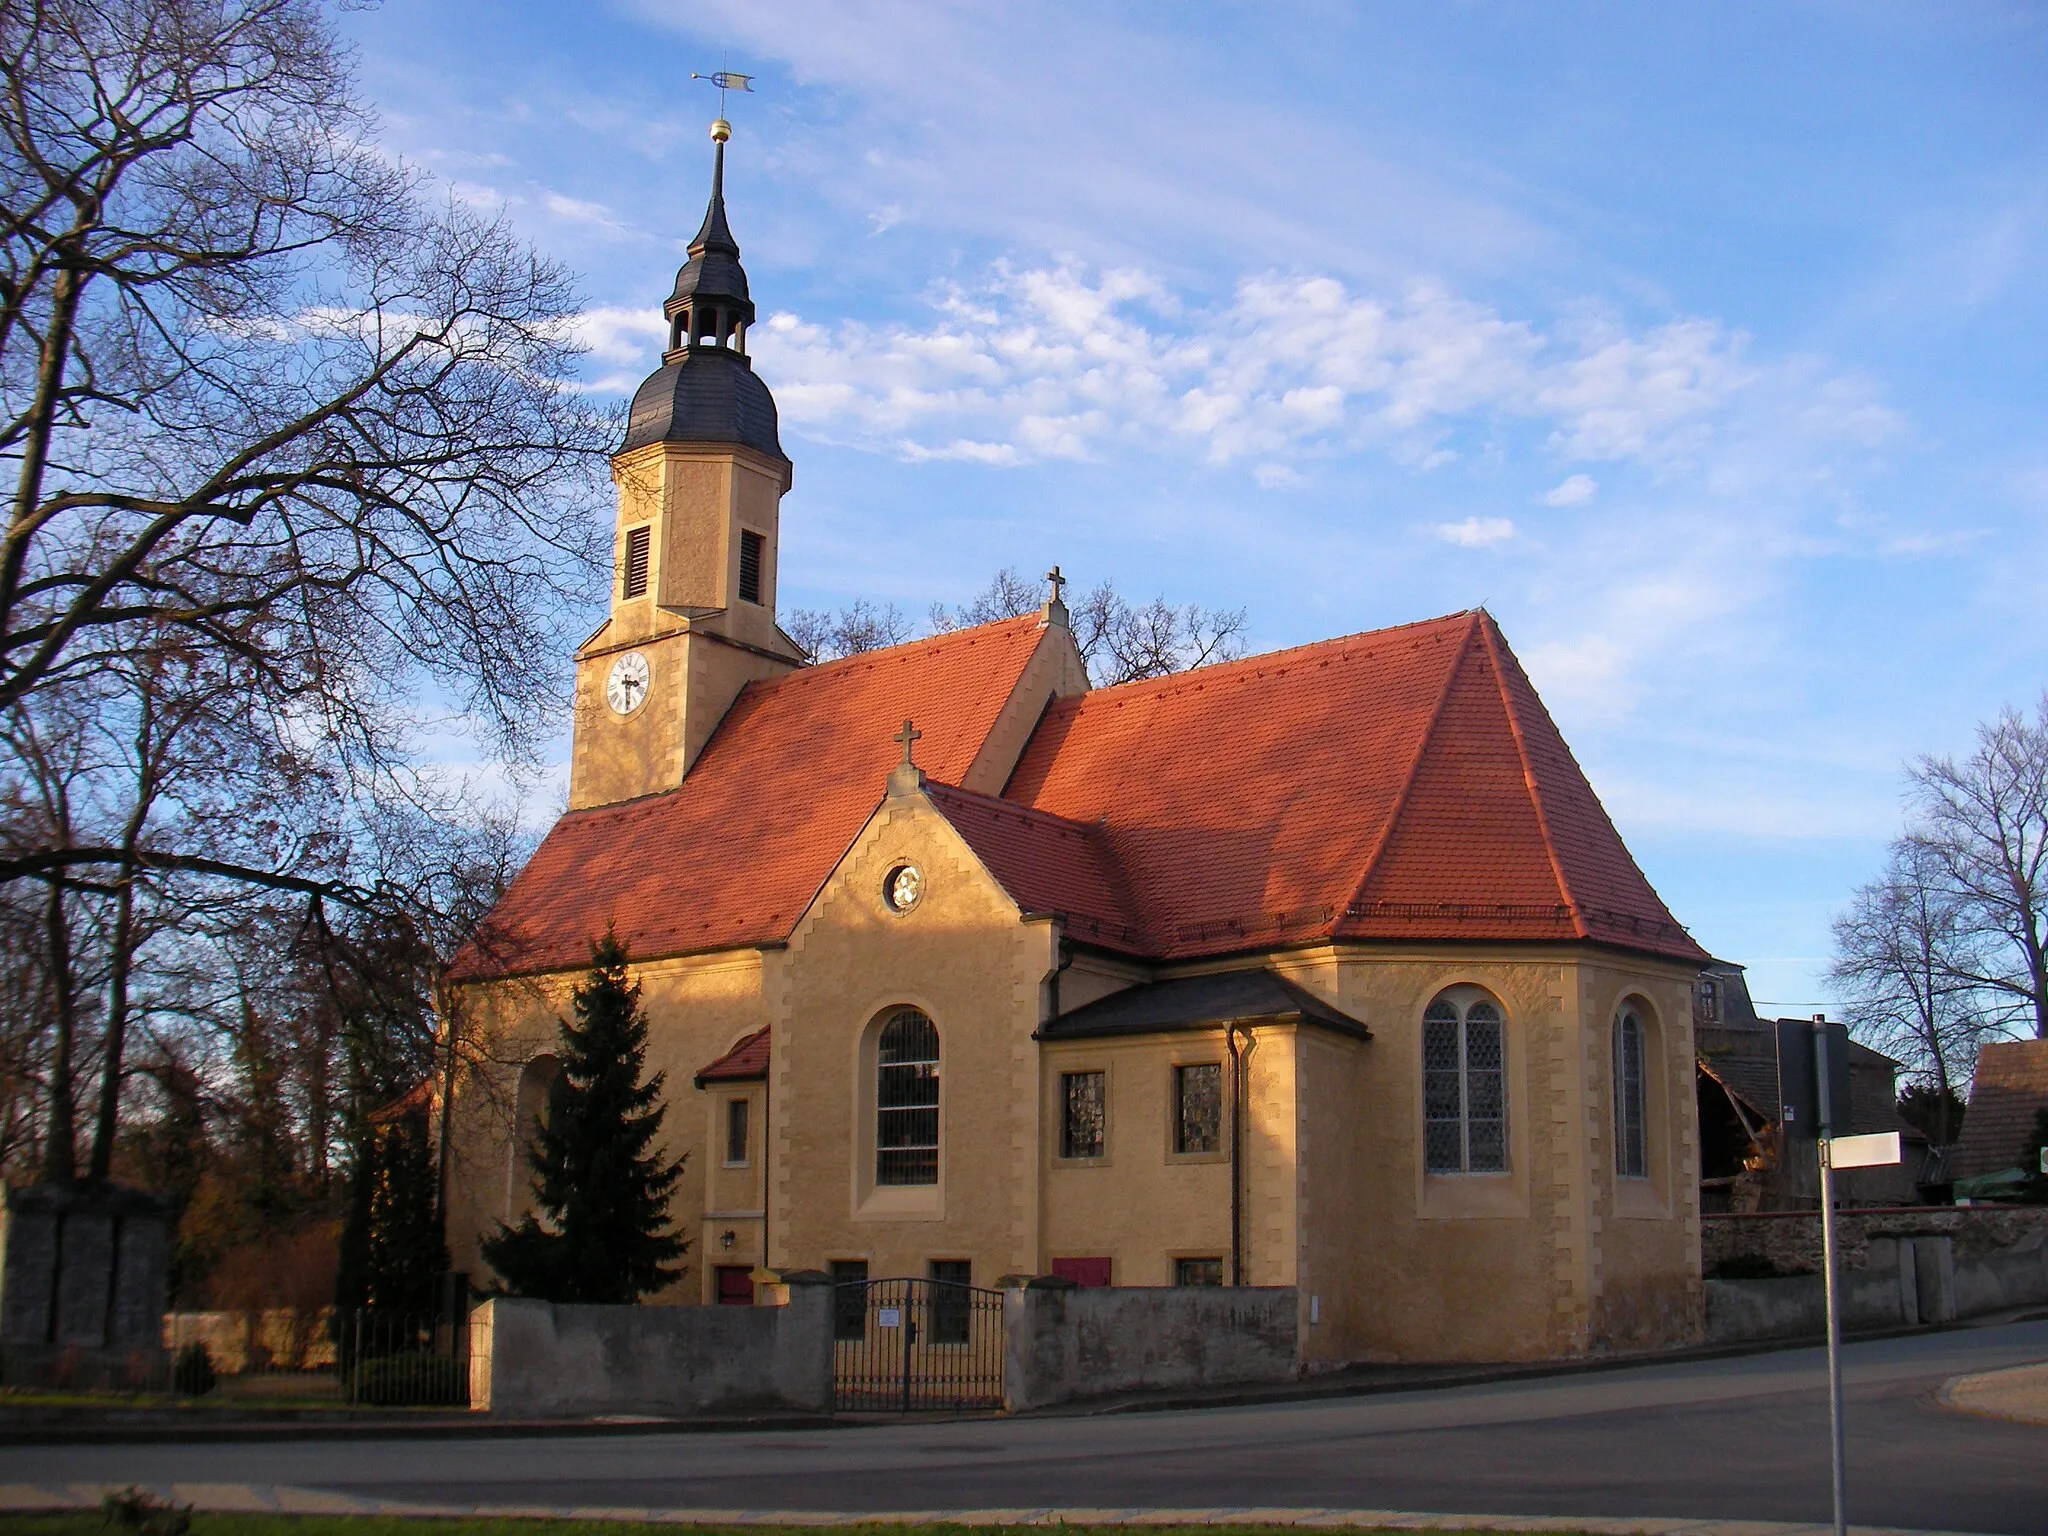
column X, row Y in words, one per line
column 1224, row 670
column 841, row 664
column 1423, row 739
column 1489, row 633
column 996, row 803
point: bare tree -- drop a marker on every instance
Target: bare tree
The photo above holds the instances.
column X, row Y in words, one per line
column 256, row 387
column 1121, row 642
column 860, row 626
column 1903, row 955
column 1981, row 826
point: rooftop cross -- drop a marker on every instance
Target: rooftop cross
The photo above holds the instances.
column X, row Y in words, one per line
column 909, row 736
column 1059, row 583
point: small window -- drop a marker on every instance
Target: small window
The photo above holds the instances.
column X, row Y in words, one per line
column 1198, row 1107
column 1629, row 1160
column 952, row 1300
column 1464, row 1086
column 1081, row 1114
column 1197, row 1271
column 638, row 540
column 849, row 1298
column 751, row 546
column 907, row 1101
column 736, row 1133
column 1710, row 1000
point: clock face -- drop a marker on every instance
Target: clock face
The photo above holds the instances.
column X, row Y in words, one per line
column 903, row 887
column 626, row 689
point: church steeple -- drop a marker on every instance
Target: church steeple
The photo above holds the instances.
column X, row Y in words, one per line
column 710, row 304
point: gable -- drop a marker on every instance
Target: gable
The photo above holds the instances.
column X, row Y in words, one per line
column 733, row 856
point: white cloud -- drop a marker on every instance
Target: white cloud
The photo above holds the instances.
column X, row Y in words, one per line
column 1573, row 491
column 576, row 210
column 1477, row 532
column 617, row 335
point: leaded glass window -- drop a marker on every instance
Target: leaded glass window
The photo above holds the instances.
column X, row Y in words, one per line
column 1082, row 1114
column 907, row 1101
column 1198, row 1107
column 1464, row 1086
column 1629, row 1159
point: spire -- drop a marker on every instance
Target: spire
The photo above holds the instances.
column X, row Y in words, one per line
column 710, row 306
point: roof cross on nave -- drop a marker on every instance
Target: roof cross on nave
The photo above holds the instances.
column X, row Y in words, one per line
column 1059, row 583
column 910, row 735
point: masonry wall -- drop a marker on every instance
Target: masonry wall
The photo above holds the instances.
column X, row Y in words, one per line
column 962, row 957
column 696, row 1009
column 1065, row 1344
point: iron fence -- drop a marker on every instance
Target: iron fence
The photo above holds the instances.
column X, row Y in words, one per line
column 333, row 1358
column 904, row 1345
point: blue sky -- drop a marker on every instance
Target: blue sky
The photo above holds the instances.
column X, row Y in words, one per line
column 1703, row 345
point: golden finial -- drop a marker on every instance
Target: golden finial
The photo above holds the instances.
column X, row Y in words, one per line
column 721, row 131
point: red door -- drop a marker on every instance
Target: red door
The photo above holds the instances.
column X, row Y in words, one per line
column 1082, row 1271
column 735, row 1285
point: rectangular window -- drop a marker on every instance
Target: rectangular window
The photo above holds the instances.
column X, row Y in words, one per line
column 1197, row 1271
column 1443, row 1099
column 849, row 1298
column 735, row 1133
column 952, row 1300
column 751, row 547
column 1081, row 1114
column 638, row 541
column 1486, row 1095
column 1198, row 1107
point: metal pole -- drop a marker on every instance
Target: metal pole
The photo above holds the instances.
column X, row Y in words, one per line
column 1825, row 1148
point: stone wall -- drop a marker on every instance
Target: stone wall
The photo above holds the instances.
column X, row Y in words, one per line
column 1791, row 1239
column 82, row 1285
column 531, row 1359
column 1064, row 1343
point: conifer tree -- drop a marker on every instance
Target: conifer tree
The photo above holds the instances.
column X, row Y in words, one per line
column 597, row 1179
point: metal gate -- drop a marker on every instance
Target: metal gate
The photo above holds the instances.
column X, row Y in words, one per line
column 900, row 1345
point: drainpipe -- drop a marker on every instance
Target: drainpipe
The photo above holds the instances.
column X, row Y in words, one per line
column 1236, row 1151
column 767, row 1142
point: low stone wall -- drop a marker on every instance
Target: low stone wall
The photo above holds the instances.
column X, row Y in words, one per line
column 1063, row 1343
column 530, row 1359
column 1902, row 1282
column 277, row 1339
column 1791, row 1239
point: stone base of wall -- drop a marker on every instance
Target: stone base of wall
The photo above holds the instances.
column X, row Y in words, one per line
column 532, row 1359
column 84, row 1368
column 1790, row 1240
column 1064, row 1343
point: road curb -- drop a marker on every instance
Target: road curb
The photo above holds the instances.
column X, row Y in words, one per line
column 284, row 1499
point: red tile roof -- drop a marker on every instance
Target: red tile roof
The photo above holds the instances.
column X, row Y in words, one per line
column 2010, row 1085
column 1402, row 784
column 733, row 856
column 1405, row 784
column 746, row 1062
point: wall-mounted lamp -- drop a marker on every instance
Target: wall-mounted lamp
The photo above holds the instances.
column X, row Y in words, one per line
column 727, row 1238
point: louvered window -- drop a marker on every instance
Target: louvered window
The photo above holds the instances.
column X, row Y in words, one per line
column 638, row 542
column 751, row 547
column 1464, row 1086
column 1629, row 1151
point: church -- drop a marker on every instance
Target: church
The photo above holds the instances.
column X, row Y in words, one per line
column 1322, row 969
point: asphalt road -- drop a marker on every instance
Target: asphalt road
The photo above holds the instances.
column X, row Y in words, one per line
column 1727, row 1439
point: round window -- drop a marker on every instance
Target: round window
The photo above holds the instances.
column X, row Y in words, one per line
column 903, row 888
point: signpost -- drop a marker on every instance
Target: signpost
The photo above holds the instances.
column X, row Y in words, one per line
column 1813, row 1094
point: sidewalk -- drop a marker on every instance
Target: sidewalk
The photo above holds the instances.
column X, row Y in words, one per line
column 2020, row 1394
column 271, row 1498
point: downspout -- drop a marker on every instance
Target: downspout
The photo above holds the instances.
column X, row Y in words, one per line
column 767, row 1143
column 1237, row 1097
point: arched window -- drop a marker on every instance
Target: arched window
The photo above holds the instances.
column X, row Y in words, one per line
column 907, row 1100
column 1464, row 1084
column 1629, row 1159
column 540, row 1084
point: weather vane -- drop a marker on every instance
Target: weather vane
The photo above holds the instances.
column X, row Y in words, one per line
column 725, row 80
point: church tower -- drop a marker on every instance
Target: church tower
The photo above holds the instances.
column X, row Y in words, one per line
column 700, row 480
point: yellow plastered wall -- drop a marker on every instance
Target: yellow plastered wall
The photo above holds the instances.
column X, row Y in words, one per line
column 964, row 958
column 734, row 1192
column 697, row 1008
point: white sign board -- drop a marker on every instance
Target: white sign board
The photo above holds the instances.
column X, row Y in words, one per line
column 888, row 1317
column 1880, row 1150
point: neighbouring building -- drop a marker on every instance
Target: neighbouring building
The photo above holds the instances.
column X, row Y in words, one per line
column 1323, row 969
column 2009, row 1089
column 1746, row 1164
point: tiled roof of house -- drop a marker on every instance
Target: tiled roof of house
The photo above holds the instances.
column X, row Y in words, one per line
column 2010, row 1085
column 1402, row 784
column 746, row 1062
column 734, row 855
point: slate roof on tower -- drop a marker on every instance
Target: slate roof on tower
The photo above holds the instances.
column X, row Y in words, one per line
column 1405, row 784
